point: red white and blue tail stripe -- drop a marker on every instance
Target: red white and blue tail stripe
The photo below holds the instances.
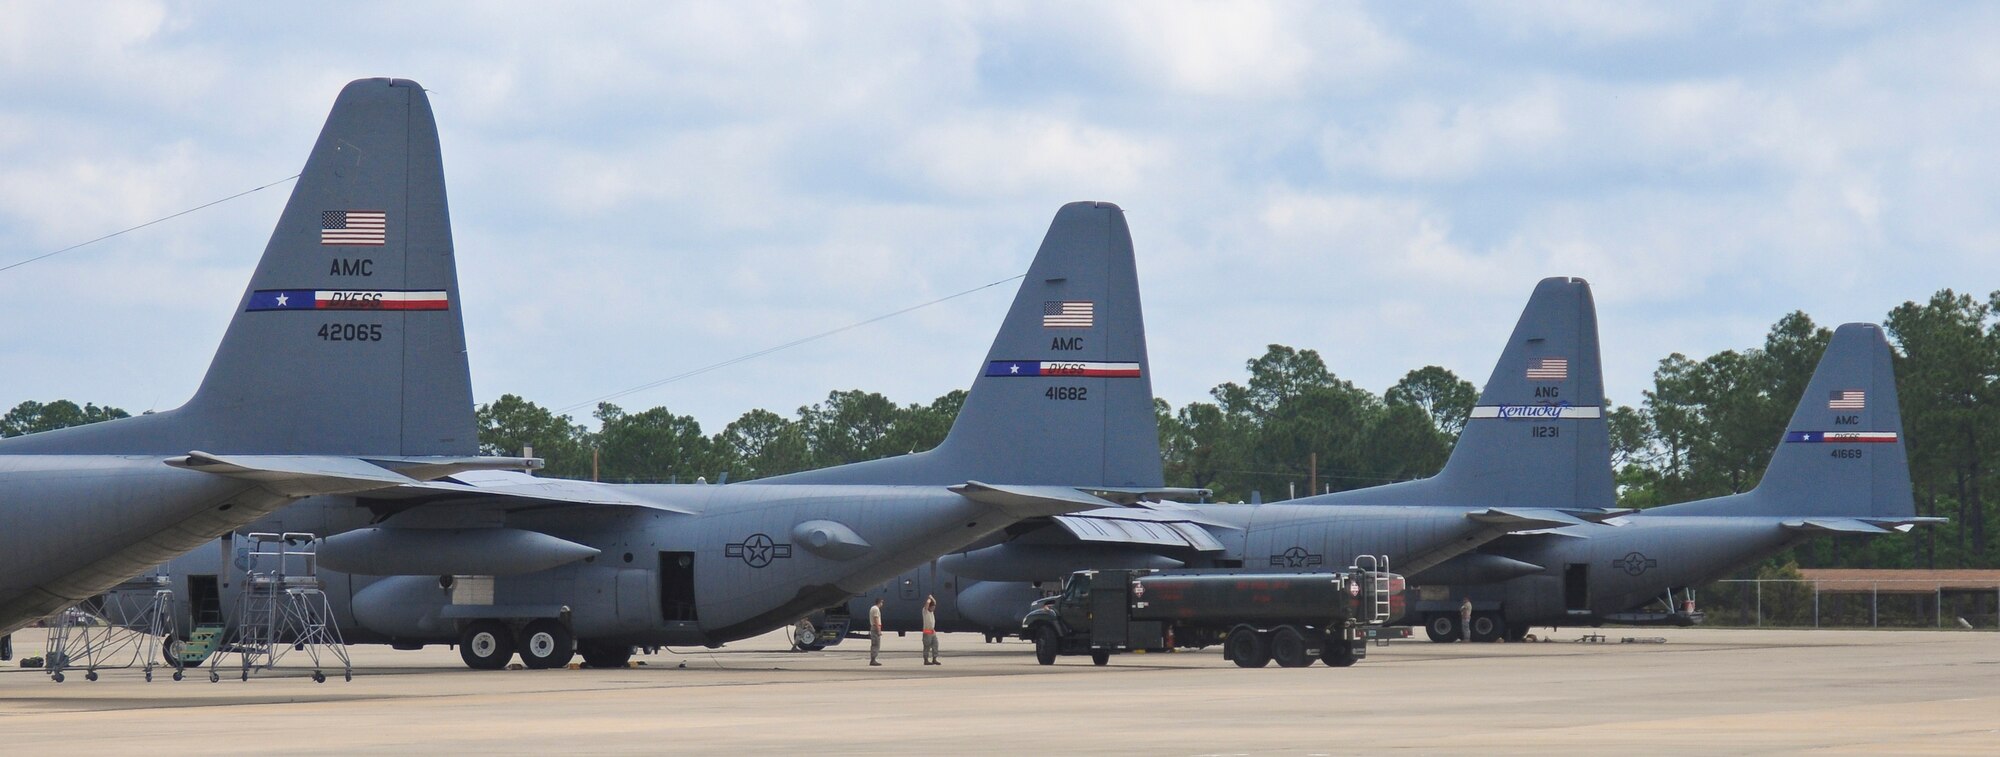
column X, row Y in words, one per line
column 1012, row 368
column 347, row 299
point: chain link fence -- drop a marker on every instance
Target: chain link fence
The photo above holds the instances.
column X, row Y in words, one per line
column 1850, row 603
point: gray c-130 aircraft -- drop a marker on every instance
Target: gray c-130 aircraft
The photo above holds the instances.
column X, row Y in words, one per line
column 496, row 561
column 1839, row 468
column 1542, row 410
column 322, row 384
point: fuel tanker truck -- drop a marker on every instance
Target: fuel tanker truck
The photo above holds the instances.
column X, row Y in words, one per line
column 1258, row 617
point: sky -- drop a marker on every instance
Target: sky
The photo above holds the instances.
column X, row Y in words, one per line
column 641, row 189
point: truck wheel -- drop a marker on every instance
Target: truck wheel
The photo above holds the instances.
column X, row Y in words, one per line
column 598, row 654
column 1288, row 647
column 1488, row 627
column 546, row 644
column 1442, row 629
column 1099, row 658
column 1518, row 632
column 486, row 645
column 1339, row 654
column 1047, row 642
column 1247, row 648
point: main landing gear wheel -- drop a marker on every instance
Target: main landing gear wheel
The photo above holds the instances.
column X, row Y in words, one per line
column 1247, row 648
column 546, row 644
column 1047, row 643
column 1442, row 629
column 598, row 654
column 486, row 645
column 1100, row 659
column 1488, row 627
column 1288, row 647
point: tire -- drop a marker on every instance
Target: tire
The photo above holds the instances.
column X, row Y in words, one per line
column 486, row 645
column 597, row 654
column 1487, row 627
column 1288, row 648
column 1517, row 632
column 1047, row 644
column 1100, row 659
column 547, row 644
column 1247, row 648
column 1339, row 654
column 1442, row 629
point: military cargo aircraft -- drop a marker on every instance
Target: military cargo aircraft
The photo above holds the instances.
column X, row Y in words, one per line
column 326, row 381
column 1540, row 414
column 1840, row 468
column 499, row 562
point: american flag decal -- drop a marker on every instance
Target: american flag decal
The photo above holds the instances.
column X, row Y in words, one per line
column 353, row 227
column 1549, row 369
column 1068, row 315
column 1847, row 399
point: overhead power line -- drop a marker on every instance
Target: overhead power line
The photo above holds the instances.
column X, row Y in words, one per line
column 208, row 204
column 787, row 345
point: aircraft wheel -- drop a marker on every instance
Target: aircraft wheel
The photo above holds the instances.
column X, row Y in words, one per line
column 1288, row 647
column 1100, row 659
column 1488, row 627
column 486, row 645
column 1517, row 632
column 599, row 654
column 546, row 644
column 805, row 638
column 1442, row 629
column 1047, row 643
column 1247, row 648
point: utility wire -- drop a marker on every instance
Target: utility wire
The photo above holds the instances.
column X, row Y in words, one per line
column 212, row 203
column 787, row 345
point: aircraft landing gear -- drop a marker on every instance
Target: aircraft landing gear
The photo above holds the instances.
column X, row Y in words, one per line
column 1517, row 632
column 547, row 644
column 1488, row 627
column 805, row 638
column 1442, row 629
column 599, row 654
column 486, row 645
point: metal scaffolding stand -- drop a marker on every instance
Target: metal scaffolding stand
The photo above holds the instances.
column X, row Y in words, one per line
column 281, row 609
column 106, row 633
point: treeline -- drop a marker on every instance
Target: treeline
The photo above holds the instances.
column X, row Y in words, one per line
column 1706, row 428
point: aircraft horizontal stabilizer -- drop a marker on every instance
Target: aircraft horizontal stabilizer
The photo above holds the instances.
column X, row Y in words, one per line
column 314, row 475
column 1860, row 525
column 1132, row 495
column 1029, row 501
column 520, row 491
column 1526, row 518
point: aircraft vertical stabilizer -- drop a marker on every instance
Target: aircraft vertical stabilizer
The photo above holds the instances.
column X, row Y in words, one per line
column 349, row 339
column 1842, row 455
column 1065, row 395
column 1537, row 437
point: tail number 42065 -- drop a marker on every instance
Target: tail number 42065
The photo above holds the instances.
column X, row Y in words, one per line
column 351, row 332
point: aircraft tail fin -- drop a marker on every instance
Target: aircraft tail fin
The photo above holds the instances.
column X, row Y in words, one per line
column 1065, row 395
column 1537, row 437
column 1842, row 454
column 348, row 340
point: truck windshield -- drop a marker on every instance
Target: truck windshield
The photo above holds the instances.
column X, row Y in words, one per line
column 1078, row 591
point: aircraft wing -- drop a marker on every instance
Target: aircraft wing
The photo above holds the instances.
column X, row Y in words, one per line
column 1132, row 495
column 313, row 475
column 1525, row 518
column 515, row 490
column 1030, row 501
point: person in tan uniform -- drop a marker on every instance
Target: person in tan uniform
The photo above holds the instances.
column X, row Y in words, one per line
column 930, row 631
column 875, row 632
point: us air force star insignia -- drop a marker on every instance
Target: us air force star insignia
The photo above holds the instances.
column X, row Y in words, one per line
column 1296, row 557
column 758, row 550
column 1635, row 564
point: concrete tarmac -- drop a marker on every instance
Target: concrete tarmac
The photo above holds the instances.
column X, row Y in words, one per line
column 1703, row 691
